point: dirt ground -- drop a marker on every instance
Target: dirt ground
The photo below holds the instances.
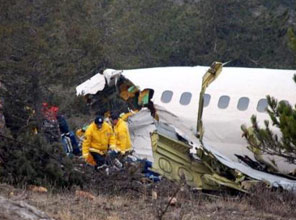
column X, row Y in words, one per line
column 154, row 203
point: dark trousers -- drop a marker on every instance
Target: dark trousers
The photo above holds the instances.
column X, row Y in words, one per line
column 113, row 154
column 100, row 160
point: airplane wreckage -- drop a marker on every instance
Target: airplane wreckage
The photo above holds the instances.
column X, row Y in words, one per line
column 175, row 149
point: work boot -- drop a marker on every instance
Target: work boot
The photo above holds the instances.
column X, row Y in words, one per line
column 117, row 163
column 107, row 171
column 98, row 168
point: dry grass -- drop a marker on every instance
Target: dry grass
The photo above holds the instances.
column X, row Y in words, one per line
column 120, row 202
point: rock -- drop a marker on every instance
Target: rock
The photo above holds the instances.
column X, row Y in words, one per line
column 154, row 195
column 173, row 201
column 11, row 210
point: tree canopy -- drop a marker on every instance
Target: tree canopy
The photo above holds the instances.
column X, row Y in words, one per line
column 48, row 47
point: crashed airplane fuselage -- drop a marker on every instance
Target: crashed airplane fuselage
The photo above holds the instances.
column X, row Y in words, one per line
column 228, row 103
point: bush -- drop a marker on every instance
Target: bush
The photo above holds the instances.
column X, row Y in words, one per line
column 30, row 159
column 283, row 117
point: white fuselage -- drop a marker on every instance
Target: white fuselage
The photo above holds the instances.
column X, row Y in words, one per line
column 234, row 98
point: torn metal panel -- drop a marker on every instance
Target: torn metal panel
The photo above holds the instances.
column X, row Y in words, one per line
column 177, row 125
column 172, row 160
column 174, row 138
column 141, row 125
column 171, row 151
column 112, row 76
column 207, row 79
column 176, row 143
column 274, row 180
column 92, row 85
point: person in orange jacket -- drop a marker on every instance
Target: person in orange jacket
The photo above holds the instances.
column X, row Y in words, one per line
column 98, row 137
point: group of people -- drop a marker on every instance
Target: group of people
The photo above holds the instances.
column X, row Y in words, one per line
column 104, row 140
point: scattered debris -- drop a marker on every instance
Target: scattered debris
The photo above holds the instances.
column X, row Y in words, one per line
column 172, row 201
column 154, row 195
column 39, row 189
column 85, row 195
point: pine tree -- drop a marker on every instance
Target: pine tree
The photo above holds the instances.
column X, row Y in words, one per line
column 283, row 117
column 28, row 58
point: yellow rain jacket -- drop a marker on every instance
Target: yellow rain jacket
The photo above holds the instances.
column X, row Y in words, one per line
column 122, row 137
column 125, row 116
column 97, row 140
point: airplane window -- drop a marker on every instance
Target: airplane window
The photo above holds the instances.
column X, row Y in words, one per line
column 223, row 101
column 185, row 98
column 262, row 105
column 166, row 96
column 243, row 103
column 207, row 99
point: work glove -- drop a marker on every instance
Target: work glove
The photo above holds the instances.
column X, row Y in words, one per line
column 90, row 160
column 85, row 156
column 112, row 151
column 122, row 152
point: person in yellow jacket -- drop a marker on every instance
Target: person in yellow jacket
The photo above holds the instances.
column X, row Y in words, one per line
column 121, row 133
column 98, row 137
column 125, row 116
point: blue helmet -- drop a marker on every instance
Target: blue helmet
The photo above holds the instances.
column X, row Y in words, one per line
column 99, row 120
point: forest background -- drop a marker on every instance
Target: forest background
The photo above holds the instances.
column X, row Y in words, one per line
column 49, row 47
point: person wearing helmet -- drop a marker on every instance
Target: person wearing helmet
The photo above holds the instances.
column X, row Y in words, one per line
column 121, row 133
column 98, row 136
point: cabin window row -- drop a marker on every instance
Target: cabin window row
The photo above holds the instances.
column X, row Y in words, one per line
column 223, row 103
column 185, row 98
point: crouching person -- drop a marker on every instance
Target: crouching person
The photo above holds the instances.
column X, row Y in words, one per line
column 122, row 138
column 98, row 136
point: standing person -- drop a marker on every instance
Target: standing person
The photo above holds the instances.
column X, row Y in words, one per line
column 98, row 136
column 121, row 133
column 50, row 124
column 69, row 141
